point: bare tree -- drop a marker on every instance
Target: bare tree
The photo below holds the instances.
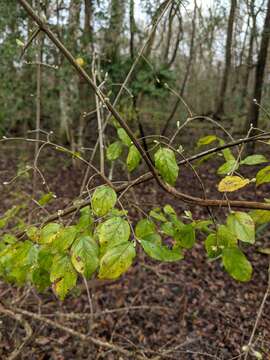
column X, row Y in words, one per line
column 228, row 57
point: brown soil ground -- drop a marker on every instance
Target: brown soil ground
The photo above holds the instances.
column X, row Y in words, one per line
column 187, row 310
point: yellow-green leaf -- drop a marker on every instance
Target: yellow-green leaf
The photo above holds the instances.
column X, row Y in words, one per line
column 114, row 151
column 20, row 43
column 263, row 176
column 161, row 252
column 49, row 232
column 236, row 264
column 63, row 275
column 232, row 183
column 227, row 167
column 123, row 136
column 242, row 225
column 64, row 238
column 133, row 158
column 166, row 164
column 260, row 216
column 116, row 261
column 103, row 200
column 85, row 255
column 206, row 140
column 254, row 160
column 113, row 232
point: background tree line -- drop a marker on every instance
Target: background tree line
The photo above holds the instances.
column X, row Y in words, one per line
column 211, row 54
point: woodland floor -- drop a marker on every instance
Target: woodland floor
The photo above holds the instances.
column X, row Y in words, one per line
column 186, row 310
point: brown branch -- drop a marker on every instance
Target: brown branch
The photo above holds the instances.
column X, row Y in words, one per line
column 29, row 42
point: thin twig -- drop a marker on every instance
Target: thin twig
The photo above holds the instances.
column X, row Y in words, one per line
column 28, row 330
column 81, row 336
column 258, row 318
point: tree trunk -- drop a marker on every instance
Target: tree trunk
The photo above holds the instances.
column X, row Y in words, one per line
column 228, row 57
column 254, row 110
column 249, row 63
column 86, row 95
column 187, row 73
column 69, row 80
column 177, row 41
column 132, row 28
column 113, row 33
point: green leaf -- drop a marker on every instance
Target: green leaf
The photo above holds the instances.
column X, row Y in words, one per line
column 254, row 160
column 20, row 43
column 161, row 252
column 64, row 238
column 242, row 225
column 227, row 153
column 133, row 159
column 85, row 224
column 18, row 261
column 49, row 232
column 45, row 258
column 114, row 151
column 123, row 136
column 116, row 261
column 263, row 176
column 217, row 242
column 41, row 271
column 169, row 210
column 206, row 140
column 260, row 216
column 40, row 278
column 202, row 225
column 85, row 255
column 154, row 238
column 9, row 215
column 33, row 233
column 228, row 167
column 45, row 198
column 157, row 215
column 186, row 236
column 9, row 239
column 63, row 275
column 225, row 237
column 103, row 200
column 166, row 164
column 168, row 229
column 236, row 264
column 211, row 246
column 113, row 232
column 144, row 228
